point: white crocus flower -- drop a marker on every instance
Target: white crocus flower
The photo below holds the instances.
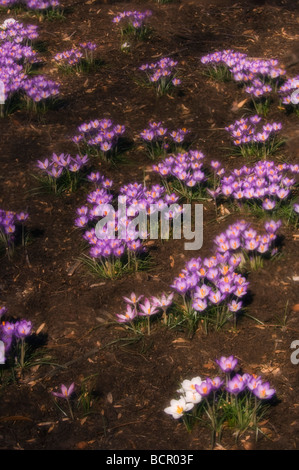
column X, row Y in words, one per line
column 178, row 407
column 193, row 397
column 7, row 23
column 189, row 385
column 125, row 47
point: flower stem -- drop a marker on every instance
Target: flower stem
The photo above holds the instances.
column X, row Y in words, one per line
column 70, row 408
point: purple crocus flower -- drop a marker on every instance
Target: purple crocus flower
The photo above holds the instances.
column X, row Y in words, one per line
column 22, row 329
column 163, row 302
column 236, row 384
column 215, row 297
column 128, row 316
column 199, row 304
column 202, row 291
column 180, row 285
column 225, row 288
column 192, row 280
column 216, row 383
column 148, row 309
column 65, row 392
column 263, row 248
column 251, row 245
column 81, row 221
column 56, row 172
column 235, row 306
column 8, row 328
column 246, row 377
column 283, row 193
column 234, row 243
column 193, row 265
column 133, row 299
column 241, row 290
column 95, row 177
column 264, row 391
column 204, row 388
column 272, row 226
column 22, row 216
column 253, row 381
column 227, row 364
column 268, row 204
column 43, row 165
column 226, row 189
column 212, row 274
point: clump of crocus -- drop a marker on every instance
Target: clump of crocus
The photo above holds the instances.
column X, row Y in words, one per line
column 265, row 187
column 238, row 399
column 15, row 54
column 62, row 172
column 259, row 73
column 260, row 96
column 131, row 312
column 16, row 32
column 184, row 173
column 66, row 394
column 218, row 64
column 16, row 59
column 211, row 292
column 133, row 23
column 78, row 58
column 99, row 138
column 115, row 235
column 14, row 335
column 289, row 94
column 242, row 243
column 42, row 4
column 138, row 310
column 162, row 75
column 8, row 3
column 88, row 48
column 68, row 58
column 40, row 92
column 254, row 138
column 260, row 77
column 11, row 226
column 22, row 330
column 44, row 8
column 159, row 140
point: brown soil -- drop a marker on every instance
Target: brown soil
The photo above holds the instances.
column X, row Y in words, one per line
column 132, row 383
